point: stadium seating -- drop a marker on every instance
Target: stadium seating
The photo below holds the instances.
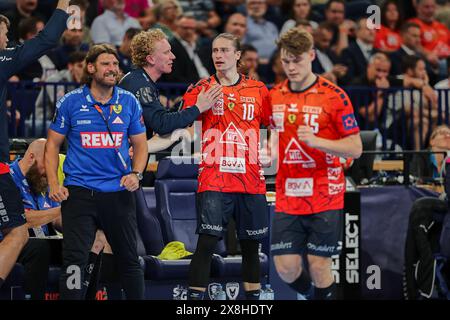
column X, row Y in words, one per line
column 12, row 288
column 175, row 189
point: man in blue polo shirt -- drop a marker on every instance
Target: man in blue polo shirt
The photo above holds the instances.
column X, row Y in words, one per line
column 98, row 121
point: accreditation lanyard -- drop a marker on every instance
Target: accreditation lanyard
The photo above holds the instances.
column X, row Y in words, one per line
column 100, row 111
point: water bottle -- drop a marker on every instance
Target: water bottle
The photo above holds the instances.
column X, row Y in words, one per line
column 263, row 294
column 220, row 294
column 269, row 294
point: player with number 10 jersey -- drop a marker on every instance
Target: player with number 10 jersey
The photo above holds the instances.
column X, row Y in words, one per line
column 231, row 181
column 230, row 136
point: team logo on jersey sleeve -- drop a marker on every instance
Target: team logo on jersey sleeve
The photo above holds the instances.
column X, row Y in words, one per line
column 294, row 154
column 146, row 95
column 117, row 108
column 349, row 121
column 233, row 136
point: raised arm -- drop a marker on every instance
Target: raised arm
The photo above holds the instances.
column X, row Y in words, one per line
column 63, row 5
column 21, row 56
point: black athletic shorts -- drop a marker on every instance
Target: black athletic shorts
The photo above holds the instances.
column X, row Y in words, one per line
column 318, row 234
column 12, row 213
column 249, row 211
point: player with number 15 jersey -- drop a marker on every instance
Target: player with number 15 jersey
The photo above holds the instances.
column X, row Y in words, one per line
column 316, row 126
column 310, row 180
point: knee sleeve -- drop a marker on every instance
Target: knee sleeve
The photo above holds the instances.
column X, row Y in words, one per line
column 200, row 267
column 250, row 261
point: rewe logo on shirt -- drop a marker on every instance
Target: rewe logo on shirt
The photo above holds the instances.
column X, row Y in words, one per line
column 101, row 140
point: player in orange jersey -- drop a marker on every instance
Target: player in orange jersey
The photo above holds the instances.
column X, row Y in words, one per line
column 231, row 180
column 316, row 126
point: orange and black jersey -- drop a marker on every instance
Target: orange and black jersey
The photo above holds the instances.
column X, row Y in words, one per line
column 230, row 136
column 309, row 180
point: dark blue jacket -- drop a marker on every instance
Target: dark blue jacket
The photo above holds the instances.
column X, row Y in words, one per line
column 156, row 117
column 12, row 60
column 397, row 58
column 354, row 59
column 317, row 66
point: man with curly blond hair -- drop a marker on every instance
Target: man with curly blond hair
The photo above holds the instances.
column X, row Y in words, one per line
column 151, row 54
